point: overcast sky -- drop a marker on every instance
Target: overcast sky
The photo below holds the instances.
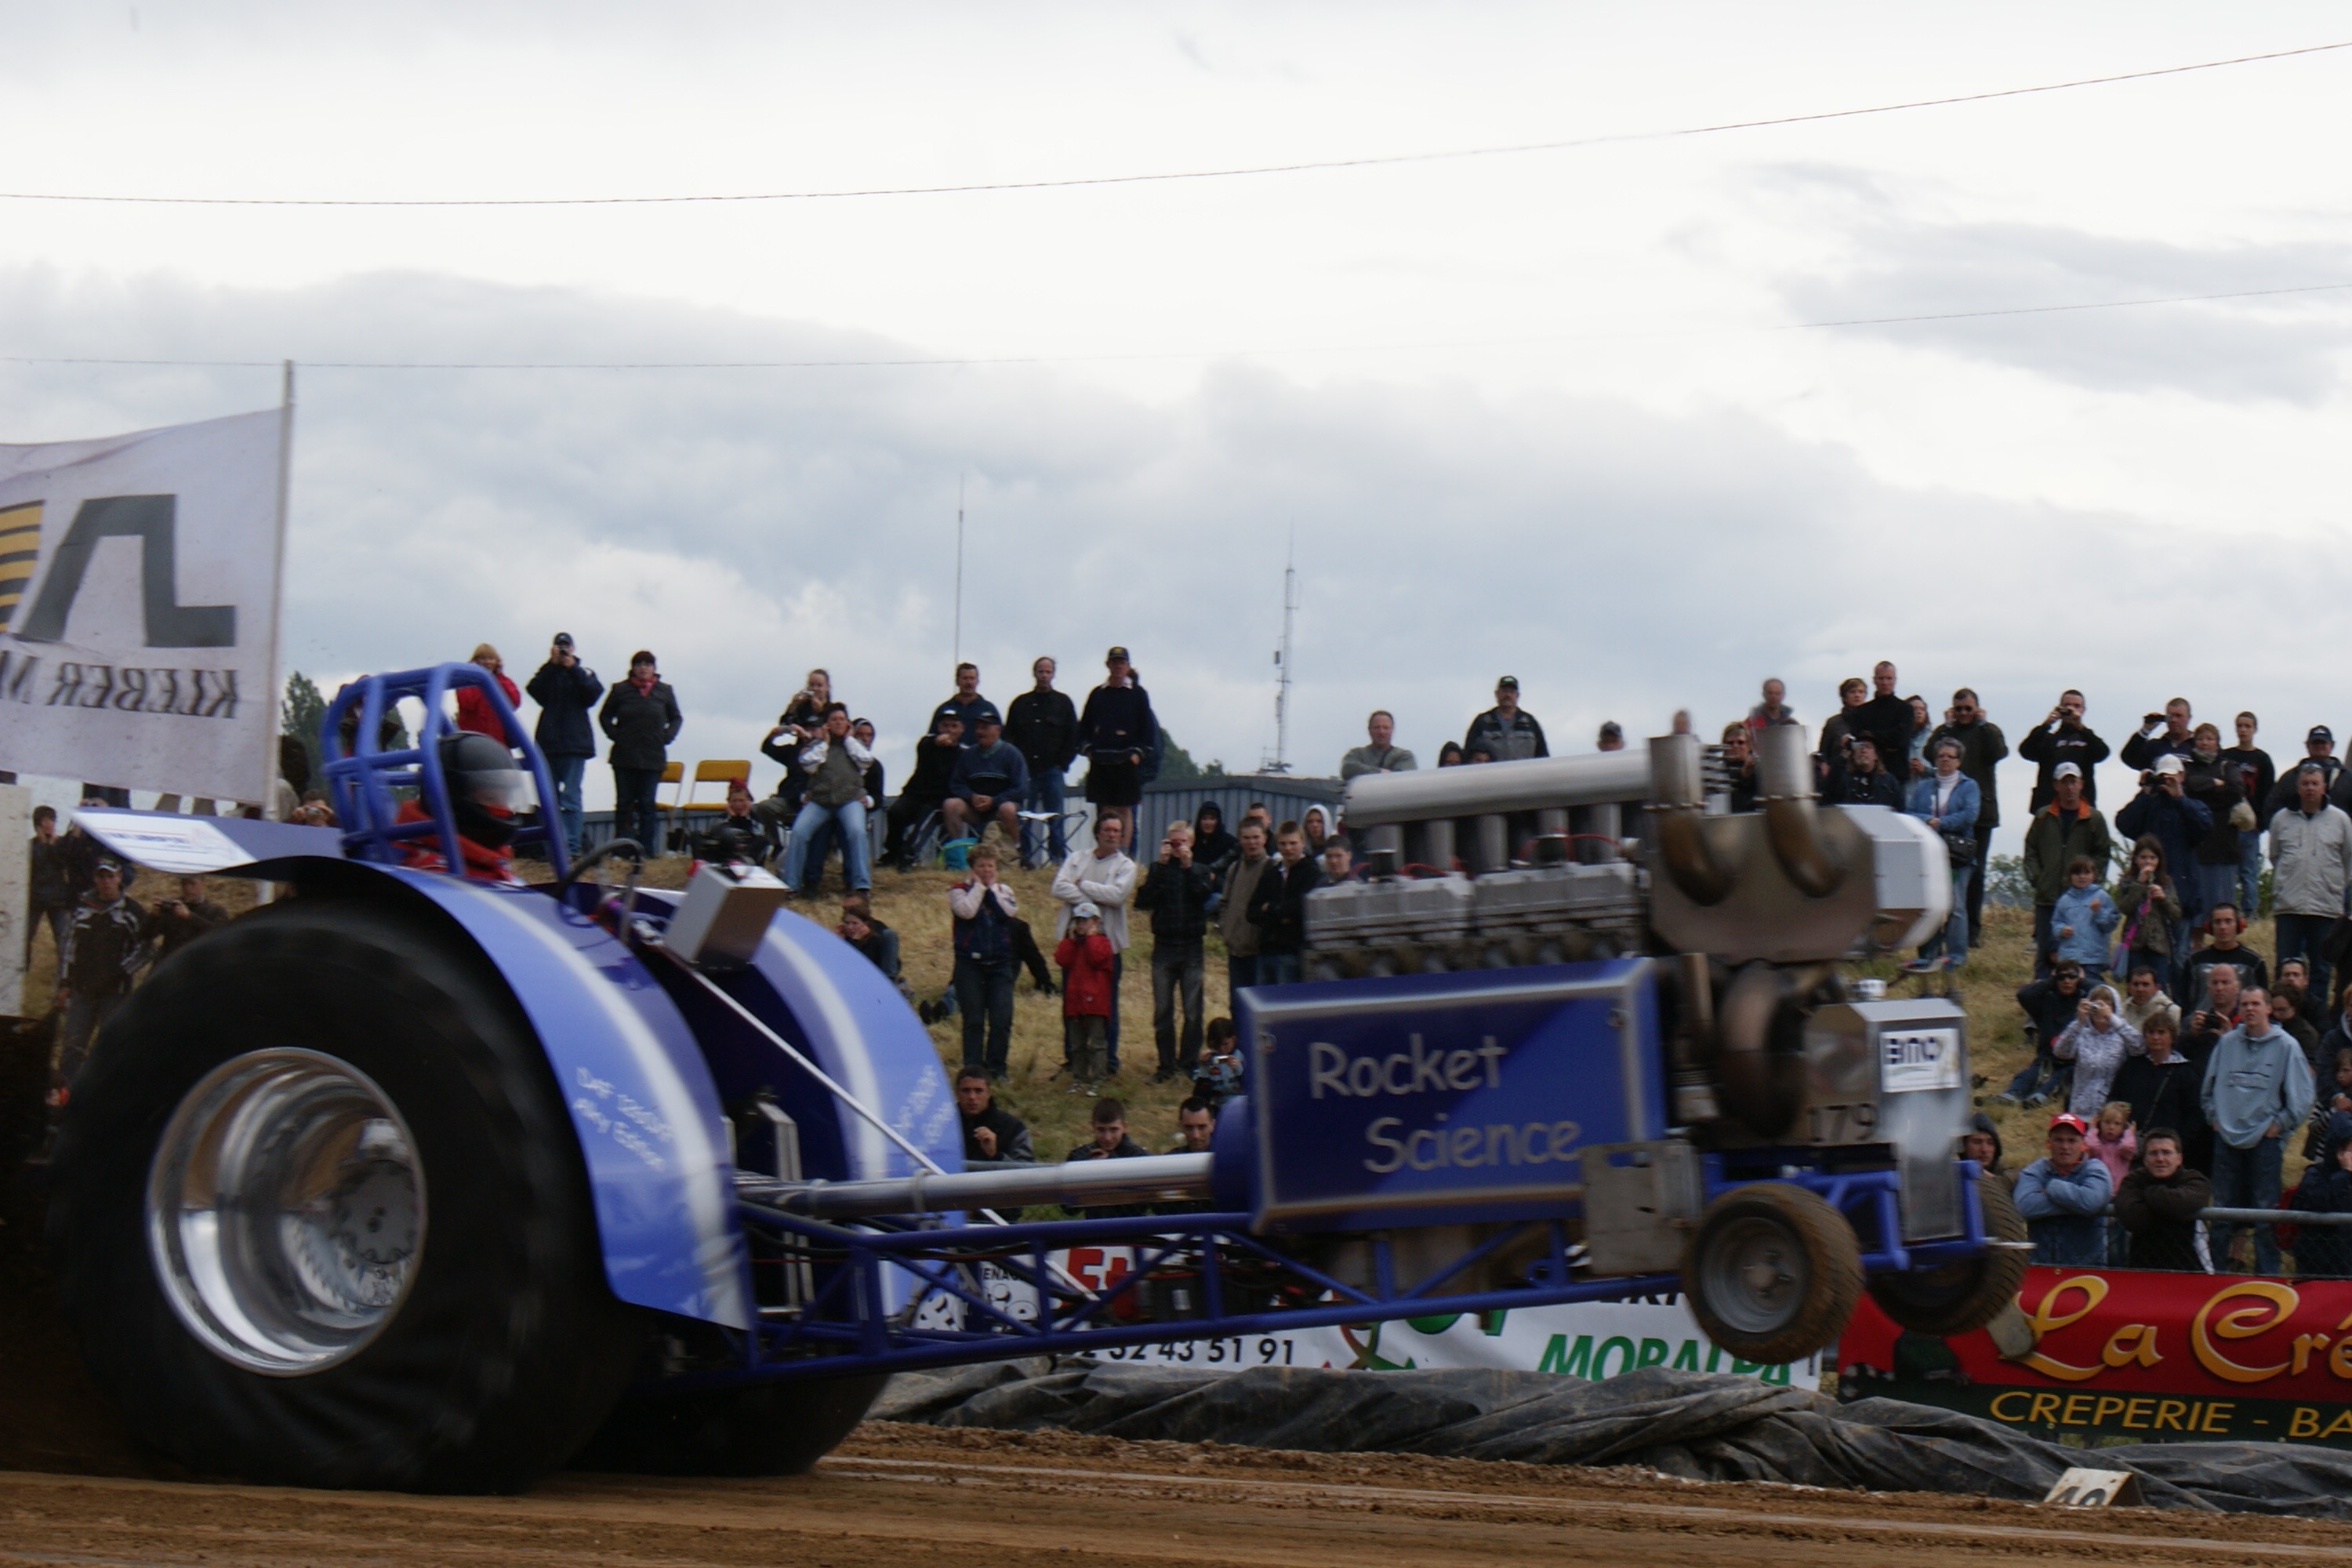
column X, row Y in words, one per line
column 1551, row 413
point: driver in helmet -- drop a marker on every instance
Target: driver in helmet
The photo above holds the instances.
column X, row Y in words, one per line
column 487, row 787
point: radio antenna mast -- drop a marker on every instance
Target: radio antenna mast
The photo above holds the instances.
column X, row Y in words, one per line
column 1282, row 659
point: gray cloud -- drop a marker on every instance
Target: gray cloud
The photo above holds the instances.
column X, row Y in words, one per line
column 747, row 525
column 2287, row 348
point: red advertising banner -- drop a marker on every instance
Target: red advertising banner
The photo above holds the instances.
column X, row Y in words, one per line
column 2135, row 1355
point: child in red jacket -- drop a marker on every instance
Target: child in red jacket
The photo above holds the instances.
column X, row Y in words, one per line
column 1086, row 958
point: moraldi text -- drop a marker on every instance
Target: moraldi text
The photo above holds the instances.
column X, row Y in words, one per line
column 125, row 688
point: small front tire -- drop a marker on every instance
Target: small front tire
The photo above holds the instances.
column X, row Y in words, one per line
column 1772, row 1272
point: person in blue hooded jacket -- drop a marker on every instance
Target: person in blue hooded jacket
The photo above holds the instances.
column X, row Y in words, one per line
column 1947, row 800
column 2061, row 1195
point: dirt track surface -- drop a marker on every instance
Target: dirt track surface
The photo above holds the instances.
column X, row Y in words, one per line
column 897, row 1496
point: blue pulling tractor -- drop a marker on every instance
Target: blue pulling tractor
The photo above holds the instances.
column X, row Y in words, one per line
column 427, row 1180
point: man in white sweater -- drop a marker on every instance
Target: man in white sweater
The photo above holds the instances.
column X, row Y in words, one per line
column 1103, row 876
column 2311, row 859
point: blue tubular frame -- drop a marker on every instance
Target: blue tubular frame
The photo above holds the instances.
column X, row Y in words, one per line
column 842, row 1331
column 363, row 780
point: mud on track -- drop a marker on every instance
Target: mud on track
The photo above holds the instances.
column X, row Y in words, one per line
column 896, row 1496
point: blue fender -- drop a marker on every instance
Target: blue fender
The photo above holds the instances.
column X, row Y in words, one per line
column 828, row 1001
column 648, row 1116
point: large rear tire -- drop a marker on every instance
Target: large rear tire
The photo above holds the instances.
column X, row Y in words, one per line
column 1956, row 1298
column 321, row 1218
column 777, row 1429
column 1772, row 1272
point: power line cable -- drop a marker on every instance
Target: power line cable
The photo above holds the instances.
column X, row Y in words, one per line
column 950, row 362
column 1252, row 171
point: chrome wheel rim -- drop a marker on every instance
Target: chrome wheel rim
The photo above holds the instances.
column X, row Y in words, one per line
column 286, row 1211
column 1755, row 1275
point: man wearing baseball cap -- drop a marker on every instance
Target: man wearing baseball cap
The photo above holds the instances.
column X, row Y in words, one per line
column 1118, row 735
column 106, row 947
column 2068, row 827
column 2319, row 746
column 2178, row 820
column 2060, row 1195
column 565, row 690
column 1507, row 731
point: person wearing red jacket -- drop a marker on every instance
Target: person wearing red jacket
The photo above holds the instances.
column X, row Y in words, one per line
column 1087, row 961
column 473, row 710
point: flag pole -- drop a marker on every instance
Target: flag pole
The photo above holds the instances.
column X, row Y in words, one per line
column 277, row 584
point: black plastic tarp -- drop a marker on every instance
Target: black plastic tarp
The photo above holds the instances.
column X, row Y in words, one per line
column 1696, row 1425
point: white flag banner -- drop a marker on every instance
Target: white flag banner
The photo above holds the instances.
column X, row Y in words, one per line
column 139, row 607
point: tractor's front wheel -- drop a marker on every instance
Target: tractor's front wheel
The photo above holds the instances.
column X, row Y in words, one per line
column 321, row 1219
column 1772, row 1272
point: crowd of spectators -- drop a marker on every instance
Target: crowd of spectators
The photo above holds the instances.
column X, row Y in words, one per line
column 2179, row 1060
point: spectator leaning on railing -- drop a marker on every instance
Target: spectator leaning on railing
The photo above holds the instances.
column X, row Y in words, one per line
column 2157, row 1206
column 2062, row 1196
column 2257, row 1089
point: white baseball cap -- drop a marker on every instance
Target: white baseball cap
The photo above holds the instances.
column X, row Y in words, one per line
column 2066, row 771
column 2170, row 762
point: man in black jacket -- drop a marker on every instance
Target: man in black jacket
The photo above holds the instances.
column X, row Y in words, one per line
column 2158, row 1203
column 1043, row 723
column 1279, row 907
column 2060, row 737
column 2163, row 1087
column 640, row 717
column 50, row 886
column 2164, row 734
column 990, row 1131
column 565, row 689
column 1887, row 719
column 106, row 947
column 1177, row 892
column 927, row 786
column 1116, row 732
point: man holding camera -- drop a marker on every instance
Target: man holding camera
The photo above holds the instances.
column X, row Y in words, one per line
column 2062, row 737
column 176, row 921
column 1177, row 892
column 565, row 689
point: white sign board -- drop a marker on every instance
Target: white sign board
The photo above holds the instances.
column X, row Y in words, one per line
column 1591, row 1340
column 139, row 607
